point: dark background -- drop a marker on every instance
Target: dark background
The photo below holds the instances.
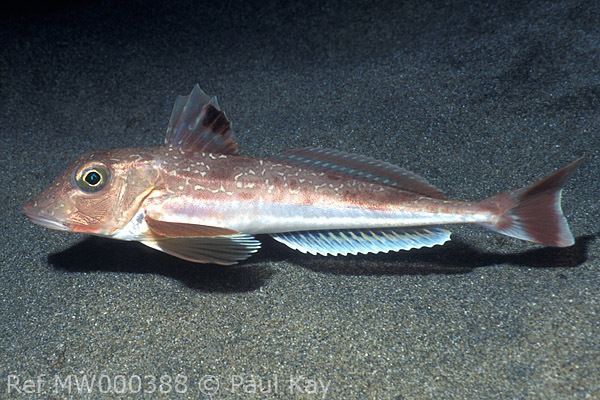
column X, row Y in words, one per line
column 479, row 97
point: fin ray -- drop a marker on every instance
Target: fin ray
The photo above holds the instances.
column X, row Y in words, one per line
column 197, row 124
column 222, row 250
column 362, row 241
column 361, row 168
column 534, row 213
column 169, row 229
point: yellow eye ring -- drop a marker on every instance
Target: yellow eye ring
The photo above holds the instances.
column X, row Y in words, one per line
column 92, row 179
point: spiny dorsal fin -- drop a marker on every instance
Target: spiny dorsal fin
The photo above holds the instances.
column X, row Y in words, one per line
column 362, row 241
column 197, row 124
column 222, row 250
column 362, row 168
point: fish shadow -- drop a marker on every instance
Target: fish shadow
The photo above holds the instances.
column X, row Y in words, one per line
column 455, row 257
column 95, row 254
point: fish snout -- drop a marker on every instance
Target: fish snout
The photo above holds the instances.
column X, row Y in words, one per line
column 28, row 208
column 40, row 216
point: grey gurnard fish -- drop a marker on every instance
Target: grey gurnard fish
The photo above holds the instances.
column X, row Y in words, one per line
column 195, row 198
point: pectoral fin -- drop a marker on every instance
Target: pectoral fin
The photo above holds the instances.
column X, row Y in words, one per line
column 222, row 250
column 200, row 243
column 166, row 229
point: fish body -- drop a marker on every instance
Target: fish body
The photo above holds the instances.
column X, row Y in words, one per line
column 196, row 198
column 257, row 196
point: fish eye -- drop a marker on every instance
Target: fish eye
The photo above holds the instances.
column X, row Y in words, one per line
column 92, row 179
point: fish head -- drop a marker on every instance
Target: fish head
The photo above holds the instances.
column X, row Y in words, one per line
column 98, row 193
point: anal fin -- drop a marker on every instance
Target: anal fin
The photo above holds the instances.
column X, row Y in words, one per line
column 362, row 241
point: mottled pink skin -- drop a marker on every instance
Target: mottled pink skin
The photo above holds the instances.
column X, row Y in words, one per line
column 172, row 185
column 247, row 194
column 63, row 205
column 235, row 178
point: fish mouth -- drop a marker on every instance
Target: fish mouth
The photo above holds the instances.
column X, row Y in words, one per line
column 45, row 221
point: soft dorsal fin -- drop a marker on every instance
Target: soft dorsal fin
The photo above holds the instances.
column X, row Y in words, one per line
column 362, row 168
column 362, row 241
column 166, row 229
column 222, row 250
column 197, row 124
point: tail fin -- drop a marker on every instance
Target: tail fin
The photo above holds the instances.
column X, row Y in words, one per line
column 534, row 213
